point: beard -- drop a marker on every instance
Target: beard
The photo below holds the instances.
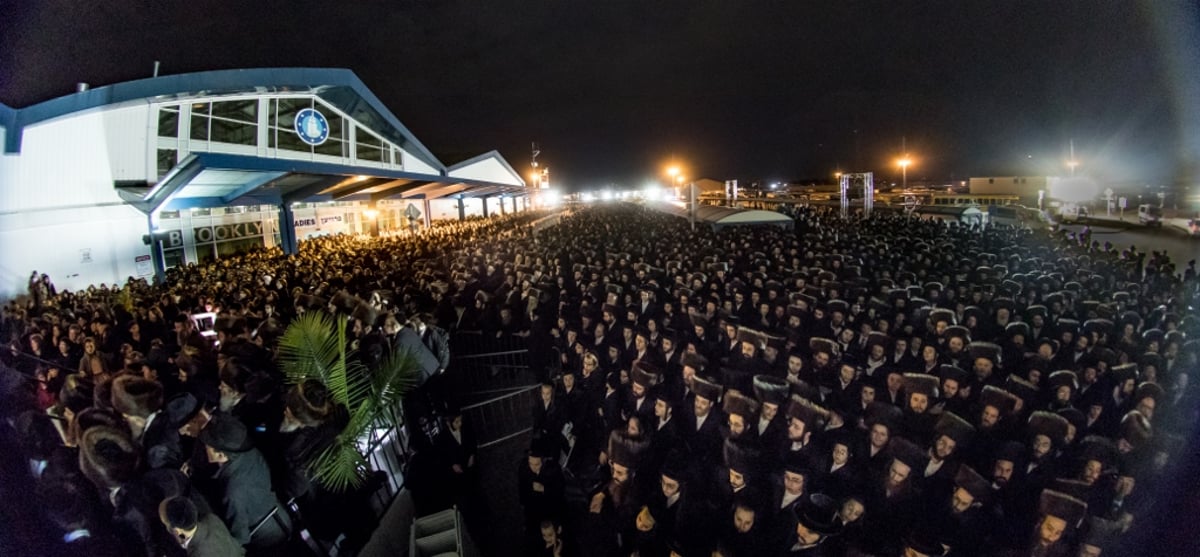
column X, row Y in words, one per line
column 228, row 402
column 289, row 425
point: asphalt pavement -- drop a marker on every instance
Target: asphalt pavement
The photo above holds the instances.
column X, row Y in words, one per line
column 1127, row 232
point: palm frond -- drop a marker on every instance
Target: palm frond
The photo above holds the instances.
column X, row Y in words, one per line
column 337, row 382
column 314, row 347
column 398, row 375
column 308, row 348
column 340, row 467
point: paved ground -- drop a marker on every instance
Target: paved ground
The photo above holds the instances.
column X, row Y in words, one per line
column 1128, row 232
column 497, row 529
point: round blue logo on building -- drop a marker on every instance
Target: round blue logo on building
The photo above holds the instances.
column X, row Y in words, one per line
column 311, row 126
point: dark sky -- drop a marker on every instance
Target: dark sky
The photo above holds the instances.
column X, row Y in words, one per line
column 733, row 89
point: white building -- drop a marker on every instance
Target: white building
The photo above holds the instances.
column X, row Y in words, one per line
column 215, row 163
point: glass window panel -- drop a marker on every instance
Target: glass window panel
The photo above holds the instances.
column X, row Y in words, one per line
column 234, row 247
column 369, row 152
column 242, row 111
column 199, row 127
column 166, row 161
column 205, row 253
column 240, row 133
column 168, row 122
column 365, row 137
column 332, row 148
column 287, row 139
column 285, row 114
column 336, row 126
column 172, row 258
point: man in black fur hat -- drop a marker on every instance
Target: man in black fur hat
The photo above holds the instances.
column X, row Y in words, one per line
column 241, row 489
column 200, row 534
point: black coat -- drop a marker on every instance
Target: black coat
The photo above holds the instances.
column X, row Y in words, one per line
column 703, row 445
column 550, row 500
column 243, row 497
column 161, row 444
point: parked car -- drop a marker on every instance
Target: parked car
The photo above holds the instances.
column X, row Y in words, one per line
column 1149, row 215
column 1072, row 213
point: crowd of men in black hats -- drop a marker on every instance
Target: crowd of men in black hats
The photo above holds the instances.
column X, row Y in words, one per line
column 139, row 433
column 878, row 386
column 855, row 387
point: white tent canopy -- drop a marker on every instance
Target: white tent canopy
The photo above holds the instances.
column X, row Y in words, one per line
column 720, row 217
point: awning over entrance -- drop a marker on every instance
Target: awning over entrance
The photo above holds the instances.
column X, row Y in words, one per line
column 219, row 180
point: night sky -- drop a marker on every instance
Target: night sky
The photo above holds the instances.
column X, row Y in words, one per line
column 751, row 90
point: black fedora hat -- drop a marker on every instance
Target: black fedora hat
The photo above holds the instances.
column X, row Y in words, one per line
column 817, row 513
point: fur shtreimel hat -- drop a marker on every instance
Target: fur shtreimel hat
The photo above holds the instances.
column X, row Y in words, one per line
column 108, row 456
column 742, row 405
column 310, row 402
column 136, row 396
column 1063, row 506
column 706, row 389
column 770, row 389
column 645, row 375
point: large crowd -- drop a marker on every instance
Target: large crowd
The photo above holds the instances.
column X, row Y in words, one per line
column 854, row 386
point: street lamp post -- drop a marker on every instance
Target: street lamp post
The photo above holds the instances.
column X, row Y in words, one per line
column 904, row 162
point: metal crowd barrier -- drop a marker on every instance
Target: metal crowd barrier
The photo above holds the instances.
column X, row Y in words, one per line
column 503, row 417
column 482, row 367
column 467, row 343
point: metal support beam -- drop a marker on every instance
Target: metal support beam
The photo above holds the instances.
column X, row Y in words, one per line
column 358, row 185
column 428, row 219
column 156, row 253
column 485, row 212
column 305, row 192
column 175, row 180
column 398, row 189
column 263, row 179
column 287, row 230
column 462, row 209
column 514, row 204
column 502, row 211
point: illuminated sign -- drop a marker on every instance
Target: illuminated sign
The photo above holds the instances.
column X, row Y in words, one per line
column 301, row 223
column 222, row 232
column 311, row 126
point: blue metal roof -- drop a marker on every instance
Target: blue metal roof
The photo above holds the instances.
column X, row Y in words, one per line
column 337, row 86
column 216, row 179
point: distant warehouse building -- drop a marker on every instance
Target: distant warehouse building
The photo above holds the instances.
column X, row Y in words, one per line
column 1025, row 187
column 206, row 165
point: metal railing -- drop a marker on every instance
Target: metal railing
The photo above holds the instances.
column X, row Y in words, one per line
column 468, row 343
column 485, row 367
column 503, row 417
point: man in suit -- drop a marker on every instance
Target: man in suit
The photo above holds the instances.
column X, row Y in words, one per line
column 434, row 338
column 701, row 429
column 140, row 401
column 241, row 489
column 200, row 534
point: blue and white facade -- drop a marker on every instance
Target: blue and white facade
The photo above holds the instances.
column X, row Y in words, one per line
column 214, row 163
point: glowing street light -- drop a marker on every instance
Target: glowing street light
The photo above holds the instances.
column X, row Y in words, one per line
column 1072, row 164
column 904, row 162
